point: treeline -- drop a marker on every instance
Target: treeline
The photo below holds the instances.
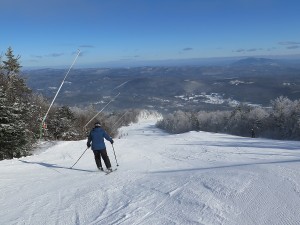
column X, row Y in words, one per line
column 22, row 111
column 280, row 121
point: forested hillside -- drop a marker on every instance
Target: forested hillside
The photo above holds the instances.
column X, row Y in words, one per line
column 281, row 121
column 171, row 88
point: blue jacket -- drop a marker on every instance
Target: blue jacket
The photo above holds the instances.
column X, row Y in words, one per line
column 97, row 136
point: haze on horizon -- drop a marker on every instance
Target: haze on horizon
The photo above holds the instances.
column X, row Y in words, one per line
column 48, row 33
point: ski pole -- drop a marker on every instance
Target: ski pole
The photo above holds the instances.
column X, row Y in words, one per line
column 115, row 154
column 79, row 158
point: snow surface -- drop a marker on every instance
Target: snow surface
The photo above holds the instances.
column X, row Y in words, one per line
column 191, row 178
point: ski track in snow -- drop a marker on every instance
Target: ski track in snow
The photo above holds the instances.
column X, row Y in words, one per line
column 191, row 178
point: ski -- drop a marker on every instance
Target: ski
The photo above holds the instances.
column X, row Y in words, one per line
column 109, row 172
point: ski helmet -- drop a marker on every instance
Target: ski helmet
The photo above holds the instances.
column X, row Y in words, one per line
column 97, row 124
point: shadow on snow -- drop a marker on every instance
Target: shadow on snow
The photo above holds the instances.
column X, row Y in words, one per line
column 227, row 166
column 54, row 166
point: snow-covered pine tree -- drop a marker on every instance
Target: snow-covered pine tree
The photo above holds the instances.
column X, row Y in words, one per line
column 13, row 140
column 14, row 109
column 60, row 125
column 11, row 64
column 286, row 117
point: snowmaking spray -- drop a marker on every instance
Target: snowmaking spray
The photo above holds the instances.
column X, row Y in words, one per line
column 45, row 117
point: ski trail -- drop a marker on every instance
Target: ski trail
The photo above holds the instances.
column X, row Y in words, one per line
column 191, row 178
column 259, row 196
column 58, row 209
column 161, row 204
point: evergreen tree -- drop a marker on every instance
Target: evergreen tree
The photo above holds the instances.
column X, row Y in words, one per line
column 195, row 122
column 286, row 114
column 13, row 140
column 11, row 65
column 60, row 125
column 14, row 109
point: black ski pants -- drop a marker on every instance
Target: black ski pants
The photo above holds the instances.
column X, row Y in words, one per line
column 102, row 153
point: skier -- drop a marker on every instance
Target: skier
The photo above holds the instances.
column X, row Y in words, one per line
column 97, row 136
column 252, row 133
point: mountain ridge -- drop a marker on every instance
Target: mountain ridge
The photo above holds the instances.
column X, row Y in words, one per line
column 254, row 62
column 159, row 87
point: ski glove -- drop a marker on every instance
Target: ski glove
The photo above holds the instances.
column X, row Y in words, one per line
column 112, row 141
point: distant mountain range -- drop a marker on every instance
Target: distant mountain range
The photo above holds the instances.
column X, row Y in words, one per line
column 167, row 88
column 291, row 60
column 254, row 62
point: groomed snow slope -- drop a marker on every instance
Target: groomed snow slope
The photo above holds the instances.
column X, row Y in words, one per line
column 191, row 178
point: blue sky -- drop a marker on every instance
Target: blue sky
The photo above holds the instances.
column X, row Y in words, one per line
column 47, row 33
